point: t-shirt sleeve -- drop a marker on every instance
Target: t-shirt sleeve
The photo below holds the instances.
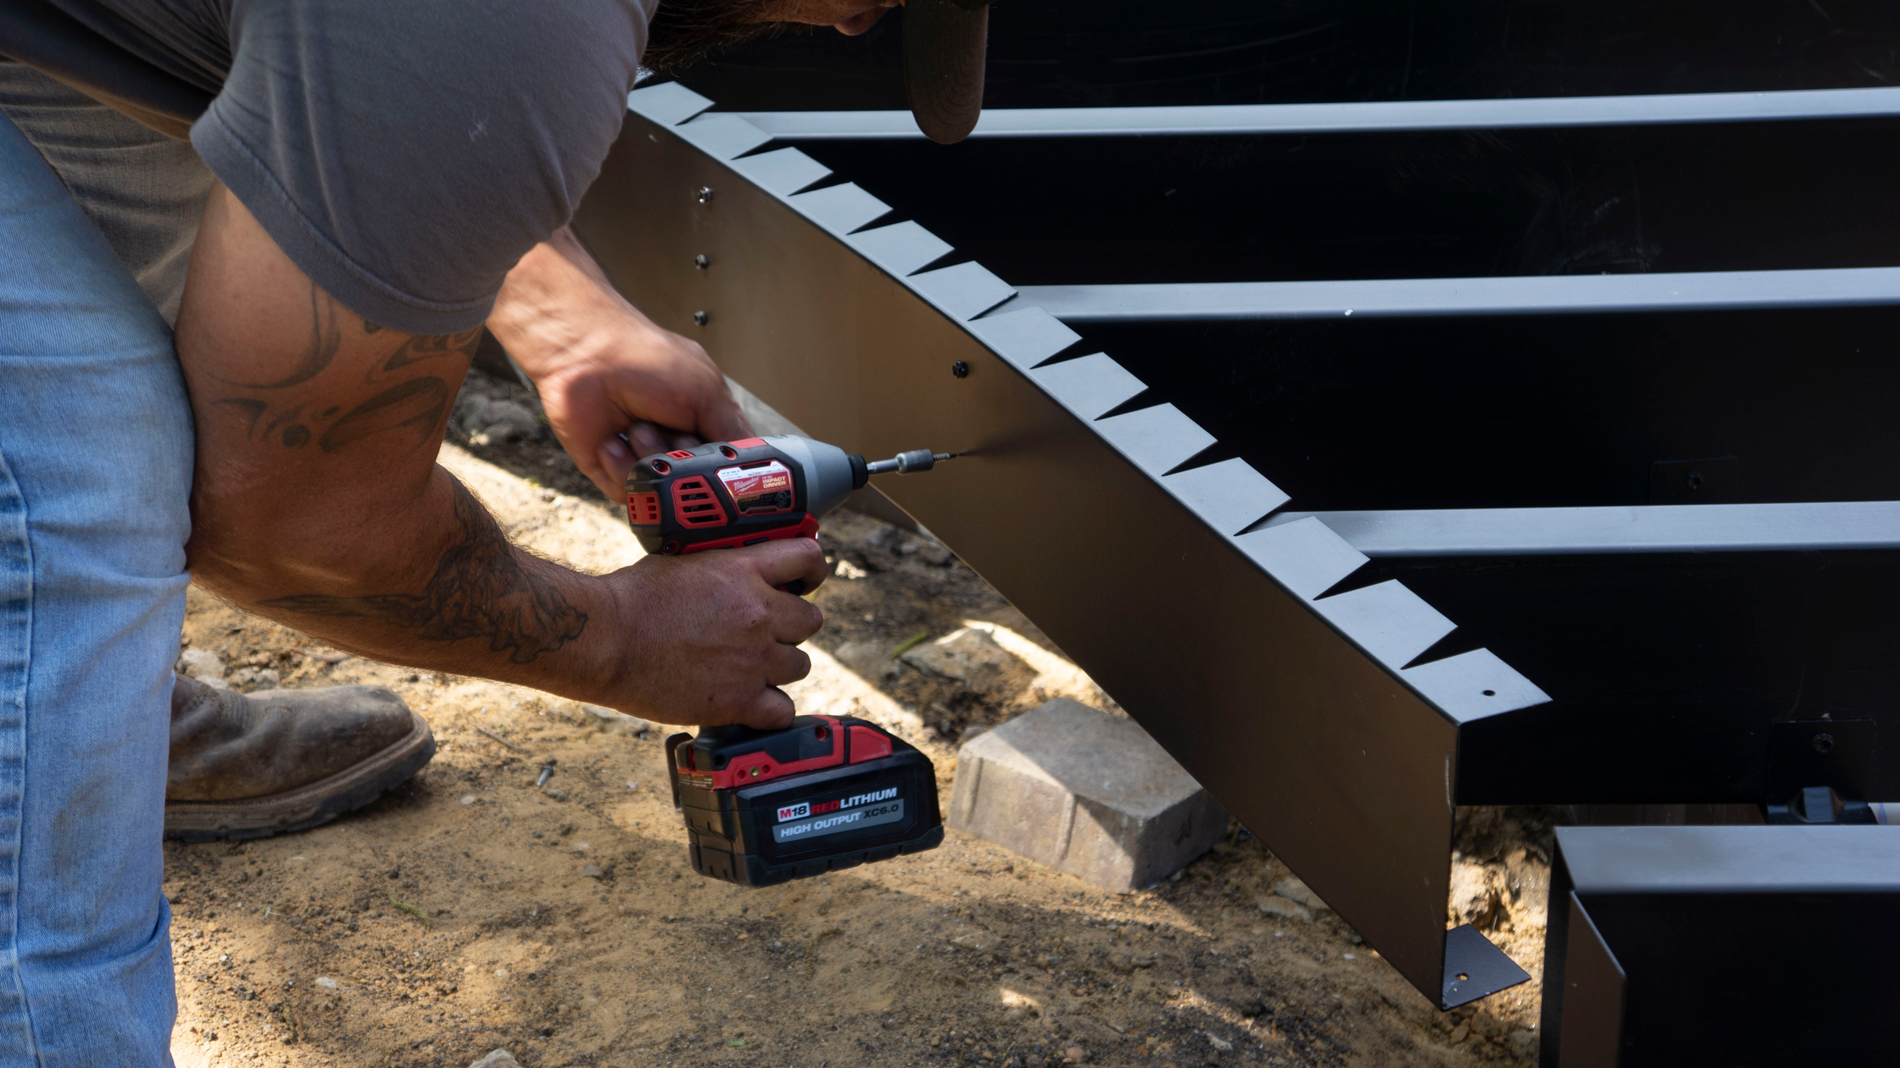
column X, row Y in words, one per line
column 406, row 154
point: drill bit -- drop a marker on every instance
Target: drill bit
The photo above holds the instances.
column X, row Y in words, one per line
column 906, row 462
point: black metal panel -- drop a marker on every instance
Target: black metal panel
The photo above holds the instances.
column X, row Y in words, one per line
column 1340, row 767
column 1093, row 53
column 1452, row 203
column 1733, row 946
column 1668, row 670
column 1536, row 411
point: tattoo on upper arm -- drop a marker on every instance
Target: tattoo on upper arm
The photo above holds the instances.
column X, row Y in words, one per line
column 422, row 347
column 480, row 589
column 324, row 342
column 418, row 405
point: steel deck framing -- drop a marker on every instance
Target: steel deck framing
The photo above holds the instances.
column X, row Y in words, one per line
column 1282, row 656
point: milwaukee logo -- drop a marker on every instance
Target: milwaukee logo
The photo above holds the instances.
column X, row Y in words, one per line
column 794, row 812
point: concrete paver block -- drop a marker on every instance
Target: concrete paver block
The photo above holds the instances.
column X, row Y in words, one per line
column 1084, row 792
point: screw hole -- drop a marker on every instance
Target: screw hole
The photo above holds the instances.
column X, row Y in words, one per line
column 700, row 261
column 701, row 317
column 1694, row 480
column 1490, row 693
column 960, row 369
column 705, row 194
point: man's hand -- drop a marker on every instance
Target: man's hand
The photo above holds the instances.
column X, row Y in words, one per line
column 317, row 502
column 712, row 632
column 603, row 369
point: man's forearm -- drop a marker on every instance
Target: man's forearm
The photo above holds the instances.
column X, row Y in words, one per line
column 603, row 369
column 317, row 502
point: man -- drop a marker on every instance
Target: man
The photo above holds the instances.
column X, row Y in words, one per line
column 365, row 186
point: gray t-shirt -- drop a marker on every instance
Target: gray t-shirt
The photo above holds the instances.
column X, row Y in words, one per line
column 404, row 153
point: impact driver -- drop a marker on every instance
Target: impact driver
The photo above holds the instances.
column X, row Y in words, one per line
column 827, row 792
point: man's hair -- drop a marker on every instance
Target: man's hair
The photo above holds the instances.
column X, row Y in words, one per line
column 685, row 31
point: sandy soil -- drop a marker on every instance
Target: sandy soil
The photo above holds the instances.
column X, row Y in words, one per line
column 471, row 911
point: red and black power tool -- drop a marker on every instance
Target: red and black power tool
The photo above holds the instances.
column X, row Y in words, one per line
column 828, row 792
column 724, row 494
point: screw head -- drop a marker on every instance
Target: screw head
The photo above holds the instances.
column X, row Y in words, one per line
column 1694, row 480
column 700, row 261
column 705, row 194
column 1823, row 743
column 959, row 369
column 701, row 317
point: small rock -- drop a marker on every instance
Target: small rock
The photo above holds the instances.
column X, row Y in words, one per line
column 254, row 678
column 936, row 555
column 1523, row 1041
column 468, row 799
column 591, row 872
column 504, row 420
column 500, row 1058
column 201, row 664
column 1218, row 1042
column 1291, row 887
column 869, row 660
column 973, row 658
column 326, row 982
column 1014, row 1014
column 216, row 684
column 468, row 407
column 848, row 570
column 611, row 722
column 1074, row 1055
column 1275, row 905
column 1459, row 1033
column 556, row 794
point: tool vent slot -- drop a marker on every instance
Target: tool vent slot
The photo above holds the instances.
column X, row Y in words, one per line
column 695, row 504
column 643, row 509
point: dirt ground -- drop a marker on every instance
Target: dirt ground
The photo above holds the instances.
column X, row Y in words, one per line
column 470, row 911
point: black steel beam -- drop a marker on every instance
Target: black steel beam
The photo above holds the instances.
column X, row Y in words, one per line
column 1385, row 116
column 1732, row 946
column 1368, row 298
column 1299, row 715
column 1687, row 528
column 1104, row 53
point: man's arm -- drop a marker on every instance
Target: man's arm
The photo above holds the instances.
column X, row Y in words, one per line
column 317, row 502
column 602, row 368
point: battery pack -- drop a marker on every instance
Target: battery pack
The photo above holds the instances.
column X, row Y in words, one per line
column 826, row 793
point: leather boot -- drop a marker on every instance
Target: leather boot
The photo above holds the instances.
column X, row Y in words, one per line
column 255, row 765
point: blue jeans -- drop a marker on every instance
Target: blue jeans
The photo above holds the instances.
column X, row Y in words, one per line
column 95, row 472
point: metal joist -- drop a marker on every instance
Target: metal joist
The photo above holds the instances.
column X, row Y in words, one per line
column 1587, row 294
column 1662, row 109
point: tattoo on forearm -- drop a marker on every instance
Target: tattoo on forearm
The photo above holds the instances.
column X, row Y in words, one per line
column 419, row 405
column 480, row 589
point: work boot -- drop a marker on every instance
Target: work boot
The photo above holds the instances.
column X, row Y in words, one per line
column 255, row 765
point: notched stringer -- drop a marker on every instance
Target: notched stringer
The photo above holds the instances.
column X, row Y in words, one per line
column 1388, row 622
